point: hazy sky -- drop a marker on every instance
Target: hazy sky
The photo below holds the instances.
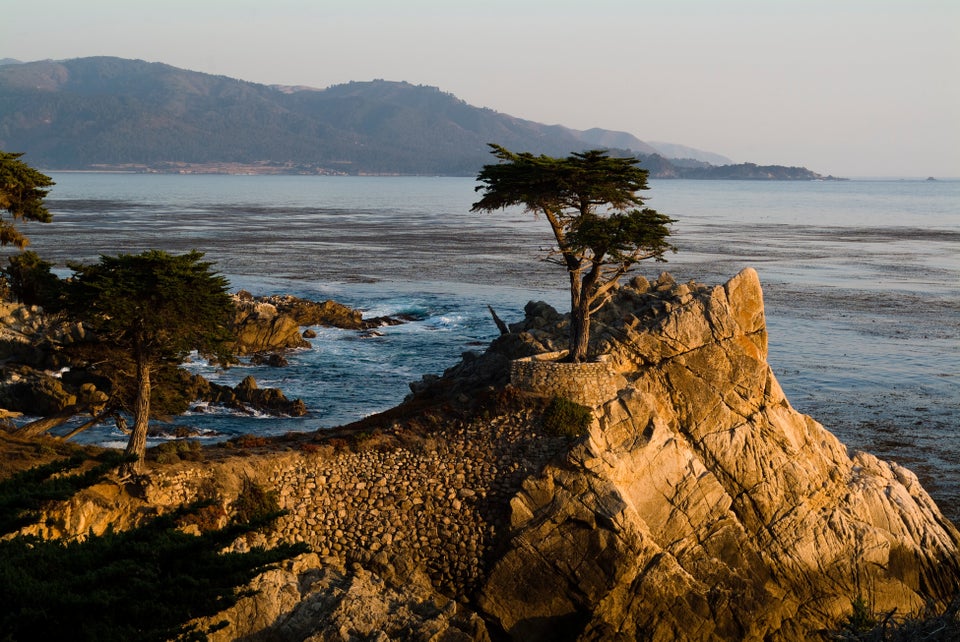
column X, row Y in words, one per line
column 846, row 87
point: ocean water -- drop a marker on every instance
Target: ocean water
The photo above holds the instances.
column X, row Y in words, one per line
column 861, row 285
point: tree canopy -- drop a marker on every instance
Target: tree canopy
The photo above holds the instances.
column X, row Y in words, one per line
column 153, row 308
column 22, row 190
column 591, row 203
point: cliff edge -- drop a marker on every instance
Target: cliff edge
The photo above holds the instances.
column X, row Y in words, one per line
column 702, row 506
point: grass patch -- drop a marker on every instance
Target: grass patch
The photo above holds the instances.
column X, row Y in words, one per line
column 566, row 418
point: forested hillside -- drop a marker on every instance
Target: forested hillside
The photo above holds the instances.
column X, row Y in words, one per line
column 113, row 113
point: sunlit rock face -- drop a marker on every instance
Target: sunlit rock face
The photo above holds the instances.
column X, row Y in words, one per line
column 699, row 506
column 703, row 506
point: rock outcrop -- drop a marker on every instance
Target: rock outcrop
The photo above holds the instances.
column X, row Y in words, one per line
column 700, row 506
column 247, row 396
column 704, row 507
column 260, row 327
column 320, row 600
column 273, row 323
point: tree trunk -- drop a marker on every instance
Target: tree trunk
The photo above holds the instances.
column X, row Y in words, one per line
column 40, row 426
column 583, row 294
column 501, row 326
column 88, row 424
column 579, row 320
column 579, row 332
column 137, row 446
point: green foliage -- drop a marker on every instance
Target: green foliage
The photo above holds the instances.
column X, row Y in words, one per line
column 22, row 190
column 157, row 305
column 618, row 236
column 861, row 619
column 24, row 494
column 151, row 310
column 31, row 282
column 173, row 451
column 566, row 418
column 254, row 504
column 863, row 624
column 591, row 202
column 142, row 584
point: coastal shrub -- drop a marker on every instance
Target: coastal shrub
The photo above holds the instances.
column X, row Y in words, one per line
column 170, row 452
column 31, row 282
column 190, row 450
column 566, row 418
column 254, row 504
column 142, row 584
column 249, row 441
column 865, row 625
column 167, row 453
column 205, row 515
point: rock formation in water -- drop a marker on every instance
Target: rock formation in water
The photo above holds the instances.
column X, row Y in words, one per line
column 39, row 378
column 271, row 324
column 700, row 506
column 261, row 327
column 703, row 506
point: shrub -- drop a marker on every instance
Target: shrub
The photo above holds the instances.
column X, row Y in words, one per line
column 250, row 441
column 254, row 504
column 865, row 625
column 31, row 281
column 566, row 418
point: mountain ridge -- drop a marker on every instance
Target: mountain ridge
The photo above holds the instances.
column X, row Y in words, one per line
column 114, row 113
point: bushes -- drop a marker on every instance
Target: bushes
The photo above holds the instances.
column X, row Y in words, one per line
column 566, row 418
column 865, row 625
column 170, row 452
column 254, row 504
column 31, row 282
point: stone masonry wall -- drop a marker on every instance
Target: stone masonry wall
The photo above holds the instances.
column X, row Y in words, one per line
column 589, row 384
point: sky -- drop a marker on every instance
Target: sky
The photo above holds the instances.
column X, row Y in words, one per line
column 856, row 88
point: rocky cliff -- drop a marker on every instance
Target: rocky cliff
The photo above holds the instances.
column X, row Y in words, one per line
column 703, row 506
column 699, row 506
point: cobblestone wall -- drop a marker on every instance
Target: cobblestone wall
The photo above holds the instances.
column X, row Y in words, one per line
column 589, row 384
column 438, row 506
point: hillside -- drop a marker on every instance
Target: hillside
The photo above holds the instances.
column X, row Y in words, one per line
column 113, row 113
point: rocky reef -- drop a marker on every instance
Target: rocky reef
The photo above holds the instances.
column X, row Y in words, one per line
column 272, row 324
column 698, row 505
column 41, row 376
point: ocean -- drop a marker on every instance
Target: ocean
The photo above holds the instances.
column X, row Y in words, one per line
column 861, row 284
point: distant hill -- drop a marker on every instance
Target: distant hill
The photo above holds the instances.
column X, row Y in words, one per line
column 674, row 151
column 604, row 138
column 105, row 112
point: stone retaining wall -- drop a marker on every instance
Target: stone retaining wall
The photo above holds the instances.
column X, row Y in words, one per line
column 590, row 384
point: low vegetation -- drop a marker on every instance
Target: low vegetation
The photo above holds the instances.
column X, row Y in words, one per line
column 863, row 624
column 566, row 418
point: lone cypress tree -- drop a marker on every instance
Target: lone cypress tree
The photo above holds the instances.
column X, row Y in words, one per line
column 598, row 220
